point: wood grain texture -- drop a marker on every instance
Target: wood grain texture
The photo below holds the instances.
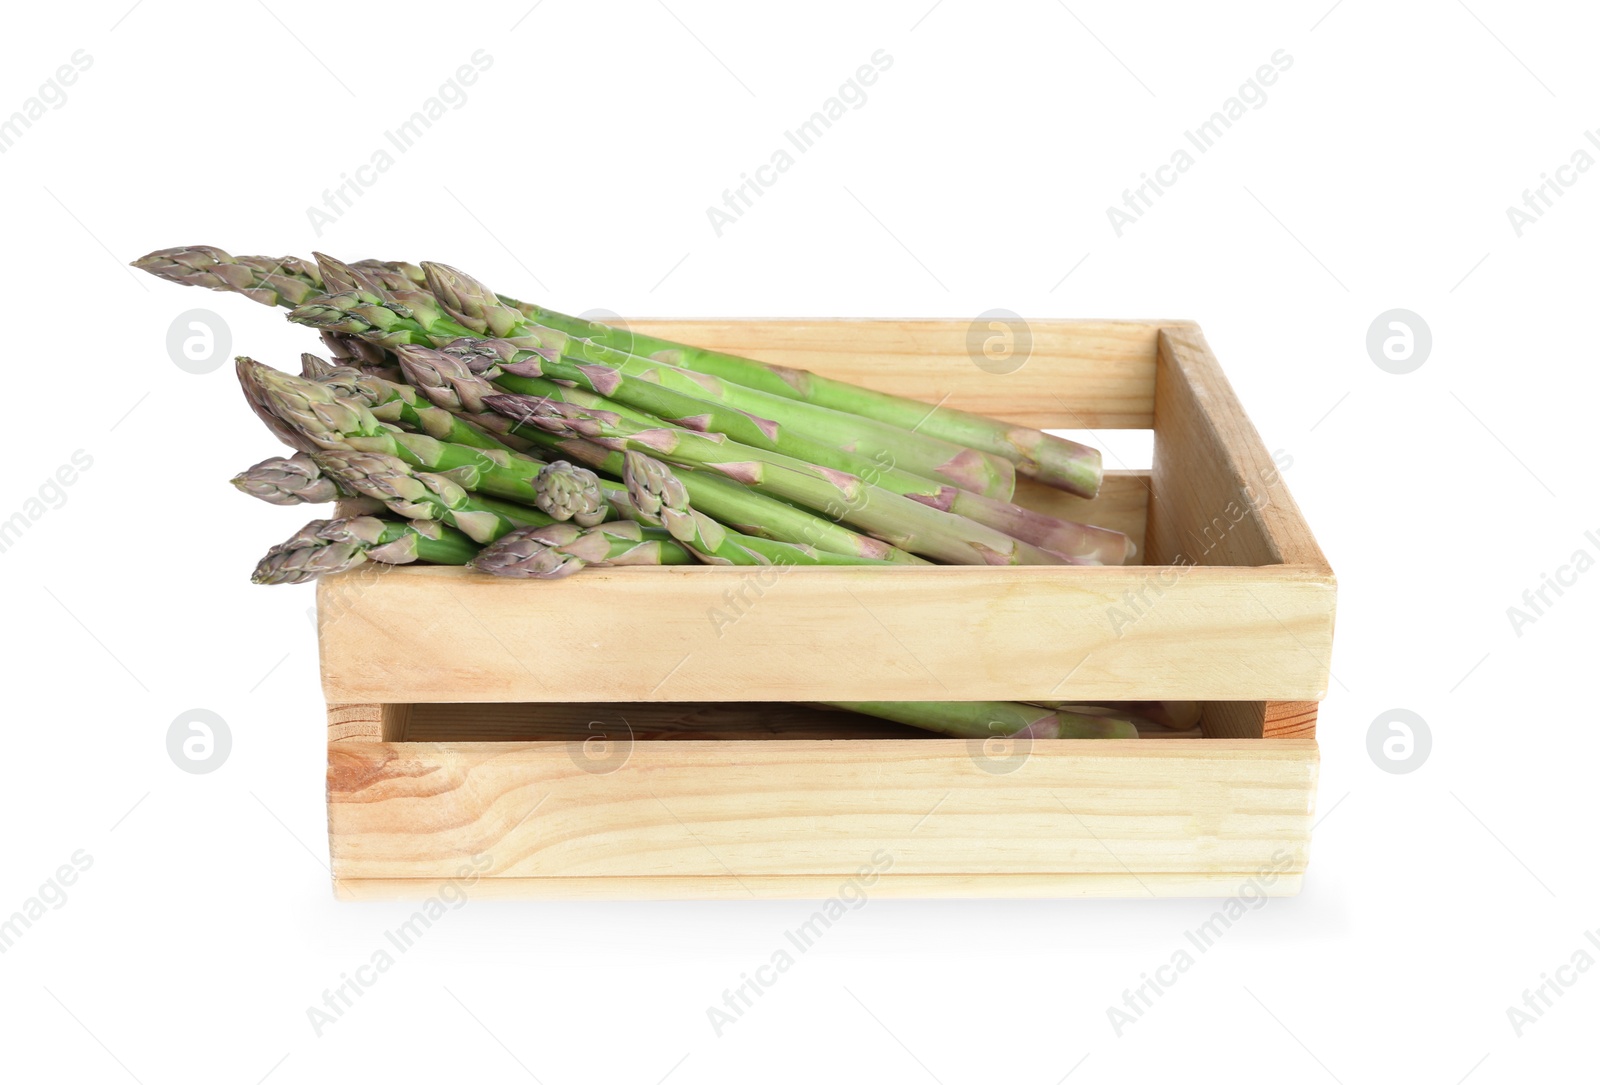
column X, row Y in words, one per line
column 1220, row 498
column 1290, row 719
column 1080, row 374
column 1259, row 719
column 823, row 886
column 356, row 721
column 780, row 808
column 412, row 634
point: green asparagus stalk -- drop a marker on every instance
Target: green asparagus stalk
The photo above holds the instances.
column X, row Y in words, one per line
column 357, row 353
column 1078, row 542
column 426, row 495
column 472, row 304
column 315, row 419
column 390, row 319
column 399, row 404
column 559, row 550
column 333, row 546
column 830, row 438
column 991, row 719
column 283, row 280
column 287, row 280
column 289, row 480
column 447, row 381
column 889, row 516
column 568, row 492
column 371, row 276
column 1052, row 460
column 658, row 497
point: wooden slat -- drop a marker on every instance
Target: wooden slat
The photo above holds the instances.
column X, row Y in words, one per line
column 780, row 809
column 1079, row 375
column 1259, row 719
column 1233, row 719
column 410, row 634
column 824, row 886
column 1220, row 498
column 356, row 721
column 1290, row 719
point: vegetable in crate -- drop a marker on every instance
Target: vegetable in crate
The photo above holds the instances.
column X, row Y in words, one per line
column 558, row 550
column 1052, row 460
column 908, row 524
column 445, row 378
column 334, row 546
column 474, row 310
column 466, row 417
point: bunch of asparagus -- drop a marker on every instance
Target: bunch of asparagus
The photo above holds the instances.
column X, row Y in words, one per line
column 457, row 426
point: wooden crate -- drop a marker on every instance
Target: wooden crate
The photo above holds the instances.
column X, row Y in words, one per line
column 611, row 734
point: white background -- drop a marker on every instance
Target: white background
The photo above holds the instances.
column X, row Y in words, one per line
column 977, row 175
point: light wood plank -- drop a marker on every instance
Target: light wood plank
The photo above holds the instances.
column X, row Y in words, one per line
column 356, row 721
column 1290, row 719
column 1233, row 719
column 778, row 808
column 1220, row 497
column 1080, row 374
column 822, row 887
column 1259, row 719
column 410, row 634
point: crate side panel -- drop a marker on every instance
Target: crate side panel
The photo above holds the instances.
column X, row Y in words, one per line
column 1078, row 374
column 1220, row 496
column 906, row 633
column 714, row 809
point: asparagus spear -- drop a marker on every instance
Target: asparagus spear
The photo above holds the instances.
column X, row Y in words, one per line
column 284, row 280
column 991, row 719
column 289, row 480
column 356, row 352
column 1078, row 542
column 317, row 420
column 567, row 492
column 820, row 435
column 891, row 517
column 426, row 495
column 398, row 404
column 658, row 497
column 390, row 320
column 372, row 276
column 447, row 381
column 471, row 303
column 332, row 546
column 558, row 550
column 1052, row 460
